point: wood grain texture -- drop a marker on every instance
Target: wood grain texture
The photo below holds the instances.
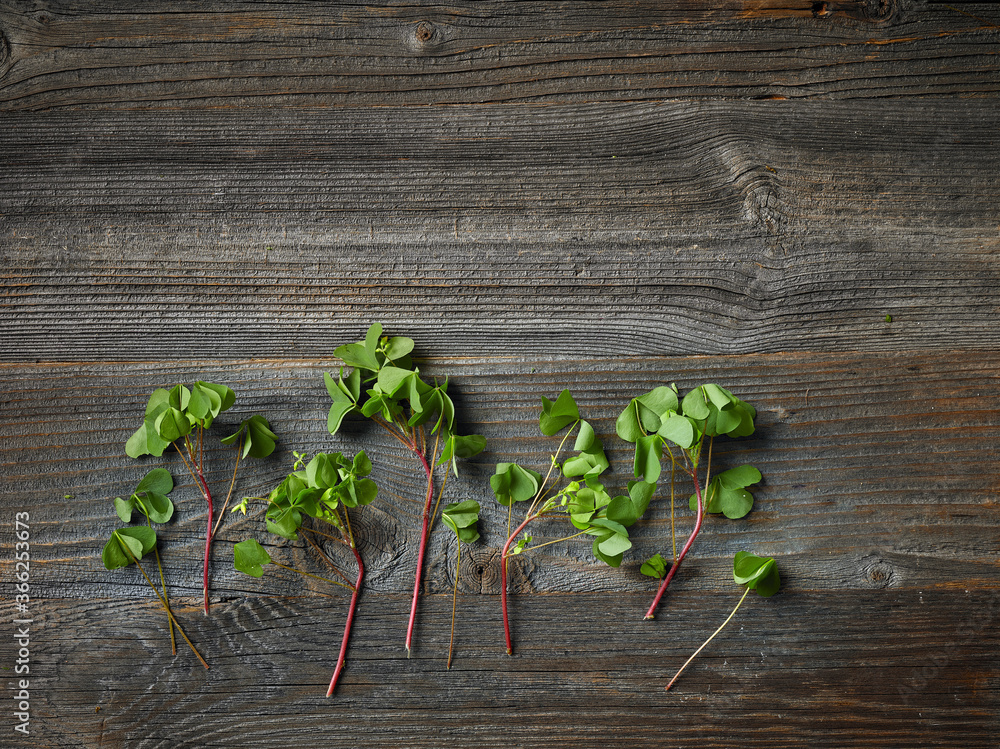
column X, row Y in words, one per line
column 875, row 474
column 893, row 669
column 748, row 227
column 194, row 55
column 795, row 199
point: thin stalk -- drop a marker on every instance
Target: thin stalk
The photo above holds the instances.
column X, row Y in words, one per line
column 706, row 641
column 166, row 598
column 677, row 563
column 170, row 614
column 454, row 602
column 324, row 535
column 422, row 549
column 309, row 574
column 208, row 531
column 325, row 558
column 503, row 582
column 350, row 612
column 232, row 483
column 558, row 540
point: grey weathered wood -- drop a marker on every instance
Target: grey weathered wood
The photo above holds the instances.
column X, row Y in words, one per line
column 226, row 54
column 543, row 195
column 708, row 228
column 892, row 669
column 872, row 465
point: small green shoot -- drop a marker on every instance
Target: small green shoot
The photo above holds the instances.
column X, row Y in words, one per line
column 462, row 518
column 581, row 500
column 684, row 431
column 404, row 405
column 180, row 417
column 150, row 498
column 127, row 546
column 757, row 573
column 325, row 489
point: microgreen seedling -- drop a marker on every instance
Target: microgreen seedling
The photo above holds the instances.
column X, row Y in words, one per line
column 401, row 403
column 757, row 573
column 180, row 417
column 151, row 500
column 657, row 422
column 462, row 518
column 127, row 546
column 325, row 489
column 582, row 499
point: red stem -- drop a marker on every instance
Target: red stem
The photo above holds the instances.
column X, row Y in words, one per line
column 347, row 626
column 423, row 543
column 680, row 558
column 208, row 533
column 503, row 582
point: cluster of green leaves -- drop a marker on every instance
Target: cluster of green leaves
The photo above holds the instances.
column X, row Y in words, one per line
column 756, row 573
column 405, row 405
column 173, row 414
column 180, row 416
column 396, row 394
column 583, row 500
column 660, row 424
column 318, row 490
column 324, row 488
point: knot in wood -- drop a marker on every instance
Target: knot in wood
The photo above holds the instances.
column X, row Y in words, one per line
column 424, row 32
column 878, row 573
column 481, row 570
column 822, row 10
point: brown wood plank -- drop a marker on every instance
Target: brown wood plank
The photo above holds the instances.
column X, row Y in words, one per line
column 710, row 228
column 182, row 54
column 885, row 668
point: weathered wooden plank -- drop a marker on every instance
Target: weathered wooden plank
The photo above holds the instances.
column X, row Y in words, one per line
column 878, row 471
column 884, row 668
column 705, row 228
column 219, row 54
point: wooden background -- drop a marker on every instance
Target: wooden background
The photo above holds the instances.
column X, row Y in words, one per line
column 798, row 200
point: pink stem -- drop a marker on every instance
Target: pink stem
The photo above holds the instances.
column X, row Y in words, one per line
column 503, row 582
column 680, row 557
column 423, row 544
column 347, row 626
column 208, row 533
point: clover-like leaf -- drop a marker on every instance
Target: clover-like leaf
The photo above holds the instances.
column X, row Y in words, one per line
column 648, row 451
column 250, row 557
column 157, row 480
column 462, row 518
column 362, row 355
column 258, row 439
column 757, row 573
column 656, row 566
column 512, row 483
column 727, row 492
column 127, row 545
column 558, row 414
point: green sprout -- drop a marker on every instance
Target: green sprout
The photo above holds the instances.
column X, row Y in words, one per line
column 757, row 573
column 127, row 546
column 581, row 500
column 325, row 489
column 404, row 406
column 180, row 417
column 686, row 430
